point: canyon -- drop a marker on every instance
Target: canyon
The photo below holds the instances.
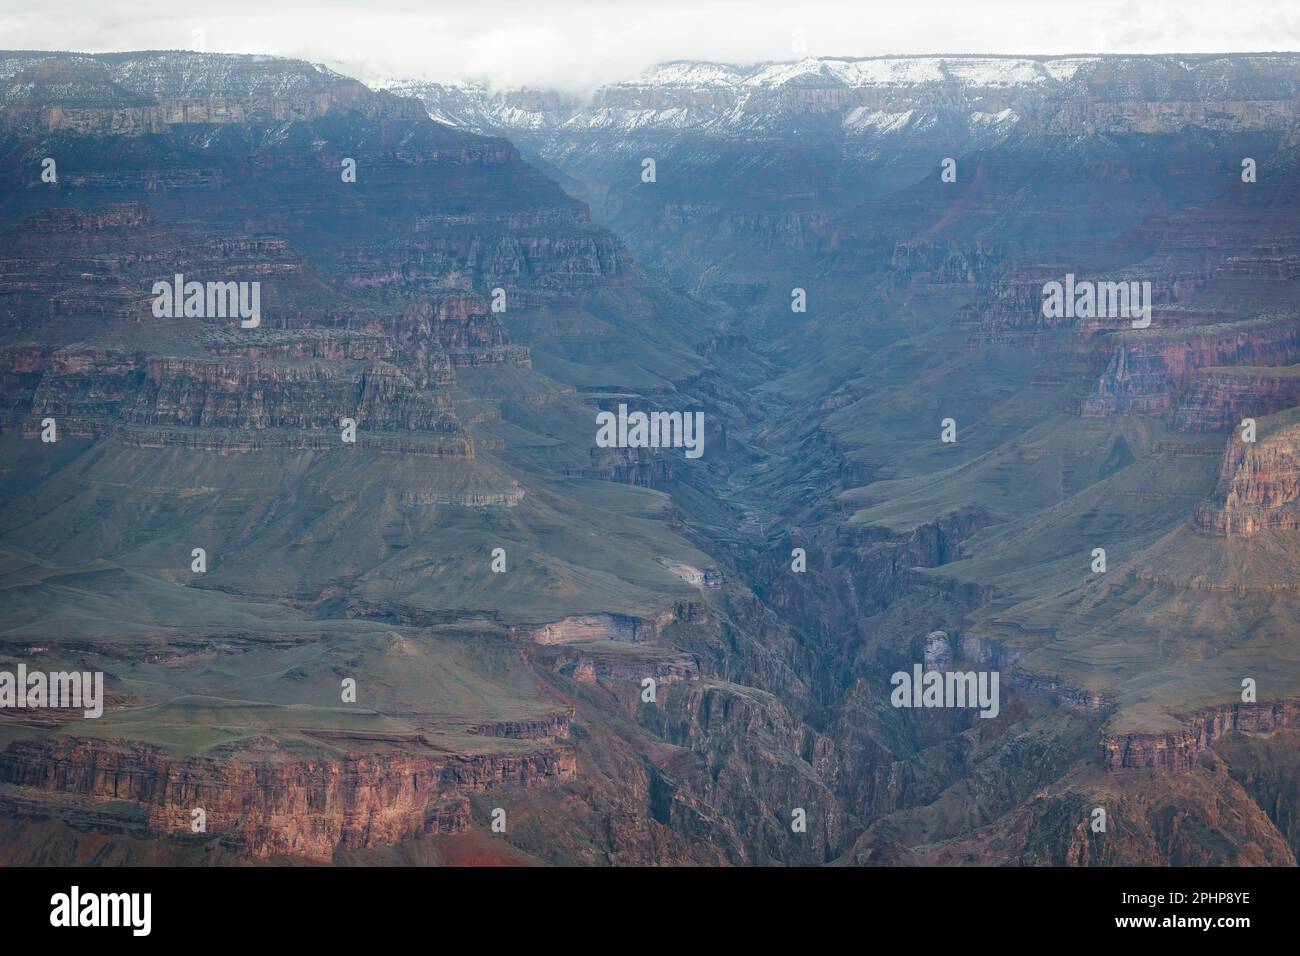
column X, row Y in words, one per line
column 499, row 587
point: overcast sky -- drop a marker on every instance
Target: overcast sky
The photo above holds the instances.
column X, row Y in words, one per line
column 577, row 44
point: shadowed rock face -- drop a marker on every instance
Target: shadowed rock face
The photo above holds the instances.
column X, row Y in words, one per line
column 643, row 658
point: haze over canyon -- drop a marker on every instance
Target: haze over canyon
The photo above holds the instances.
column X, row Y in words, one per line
column 853, row 461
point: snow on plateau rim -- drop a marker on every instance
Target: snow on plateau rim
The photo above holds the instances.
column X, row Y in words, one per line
column 983, row 71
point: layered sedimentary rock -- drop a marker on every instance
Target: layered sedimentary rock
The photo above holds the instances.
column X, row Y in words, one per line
column 1073, row 699
column 396, row 300
column 1220, row 398
column 1177, row 751
column 268, row 802
column 1259, row 482
column 886, row 561
column 548, row 728
column 589, row 665
column 1120, row 189
column 132, row 94
column 611, row 627
column 381, row 295
column 233, row 394
column 213, row 402
column 646, row 467
column 737, row 721
column 1148, row 369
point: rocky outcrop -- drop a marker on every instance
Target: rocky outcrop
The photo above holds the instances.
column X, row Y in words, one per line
column 888, row 97
column 885, row 560
column 69, row 222
column 1219, row 398
column 587, row 666
column 78, row 382
column 1164, row 117
column 593, row 627
column 1259, row 482
column 1148, row 368
column 132, row 94
column 242, row 442
column 252, row 395
column 708, row 579
column 736, row 731
column 1077, row 701
column 937, row 651
column 549, row 727
column 267, row 801
column 331, row 344
column 1177, row 751
column 277, row 398
column 646, row 467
